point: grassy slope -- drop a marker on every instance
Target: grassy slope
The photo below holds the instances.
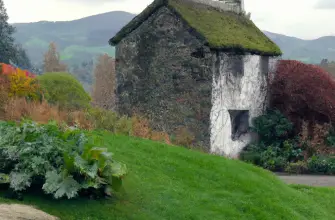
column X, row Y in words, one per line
column 174, row 183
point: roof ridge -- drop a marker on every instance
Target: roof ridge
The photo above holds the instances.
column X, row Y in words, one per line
column 217, row 28
column 222, row 5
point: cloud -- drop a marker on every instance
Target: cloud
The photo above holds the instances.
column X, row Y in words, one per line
column 325, row 4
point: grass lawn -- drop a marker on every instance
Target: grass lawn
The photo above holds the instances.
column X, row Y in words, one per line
column 167, row 182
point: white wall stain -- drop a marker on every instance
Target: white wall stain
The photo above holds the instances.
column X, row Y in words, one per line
column 236, row 91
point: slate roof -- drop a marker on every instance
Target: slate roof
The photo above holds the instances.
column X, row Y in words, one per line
column 227, row 31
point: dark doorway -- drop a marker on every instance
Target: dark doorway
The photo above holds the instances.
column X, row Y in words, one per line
column 239, row 123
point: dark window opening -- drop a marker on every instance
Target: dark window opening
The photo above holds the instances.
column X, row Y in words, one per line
column 235, row 64
column 239, row 123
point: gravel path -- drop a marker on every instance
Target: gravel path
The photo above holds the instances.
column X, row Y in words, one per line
column 310, row 180
column 22, row 212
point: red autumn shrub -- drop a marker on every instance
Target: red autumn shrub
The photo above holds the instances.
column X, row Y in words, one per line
column 19, row 83
column 303, row 92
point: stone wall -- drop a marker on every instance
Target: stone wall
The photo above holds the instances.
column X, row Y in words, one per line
column 239, row 94
column 164, row 72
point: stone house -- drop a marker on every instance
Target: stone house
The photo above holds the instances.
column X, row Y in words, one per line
column 199, row 64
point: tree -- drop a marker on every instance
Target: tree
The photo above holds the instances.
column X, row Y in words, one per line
column 52, row 60
column 303, row 93
column 10, row 52
column 7, row 42
column 329, row 66
column 103, row 94
column 324, row 63
column 21, row 59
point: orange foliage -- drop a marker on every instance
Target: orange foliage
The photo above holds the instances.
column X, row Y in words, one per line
column 160, row 136
column 184, row 137
column 17, row 108
column 141, row 128
column 19, row 83
column 79, row 119
column 103, row 93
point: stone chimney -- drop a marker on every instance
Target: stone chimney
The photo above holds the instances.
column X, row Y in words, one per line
column 236, row 6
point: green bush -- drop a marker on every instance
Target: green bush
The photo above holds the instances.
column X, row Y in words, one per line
column 272, row 161
column 275, row 149
column 276, row 157
column 110, row 121
column 64, row 90
column 321, row 165
column 61, row 161
column 252, row 153
column 272, row 127
column 299, row 167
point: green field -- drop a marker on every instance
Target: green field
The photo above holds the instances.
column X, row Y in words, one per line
column 72, row 51
column 167, row 182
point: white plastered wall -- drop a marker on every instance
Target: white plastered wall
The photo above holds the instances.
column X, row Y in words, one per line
column 234, row 89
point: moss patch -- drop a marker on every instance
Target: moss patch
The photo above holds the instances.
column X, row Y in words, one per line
column 221, row 30
column 226, row 30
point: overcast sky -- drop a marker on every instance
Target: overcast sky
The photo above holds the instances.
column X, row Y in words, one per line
column 306, row 19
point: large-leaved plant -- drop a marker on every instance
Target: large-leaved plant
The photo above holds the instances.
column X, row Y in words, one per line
column 62, row 161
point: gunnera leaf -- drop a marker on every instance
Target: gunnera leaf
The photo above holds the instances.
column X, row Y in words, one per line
column 85, row 168
column 118, row 169
column 19, row 181
column 52, row 182
column 69, row 187
column 93, row 170
column 58, row 186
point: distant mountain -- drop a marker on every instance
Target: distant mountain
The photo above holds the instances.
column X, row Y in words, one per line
column 77, row 40
column 82, row 39
column 309, row 51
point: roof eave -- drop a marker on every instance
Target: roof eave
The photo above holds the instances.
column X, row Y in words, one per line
column 137, row 21
column 242, row 51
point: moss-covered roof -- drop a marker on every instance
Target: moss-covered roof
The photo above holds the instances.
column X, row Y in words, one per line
column 221, row 30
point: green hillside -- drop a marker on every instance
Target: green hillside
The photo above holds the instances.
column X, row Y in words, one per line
column 167, row 182
column 78, row 40
column 308, row 51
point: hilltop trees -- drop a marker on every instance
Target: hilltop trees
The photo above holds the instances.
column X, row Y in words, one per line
column 103, row 90
column 329, row 66
column 52, row 60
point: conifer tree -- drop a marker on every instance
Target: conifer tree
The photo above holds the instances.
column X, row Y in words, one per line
column 52, row 60
column 7, row 44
